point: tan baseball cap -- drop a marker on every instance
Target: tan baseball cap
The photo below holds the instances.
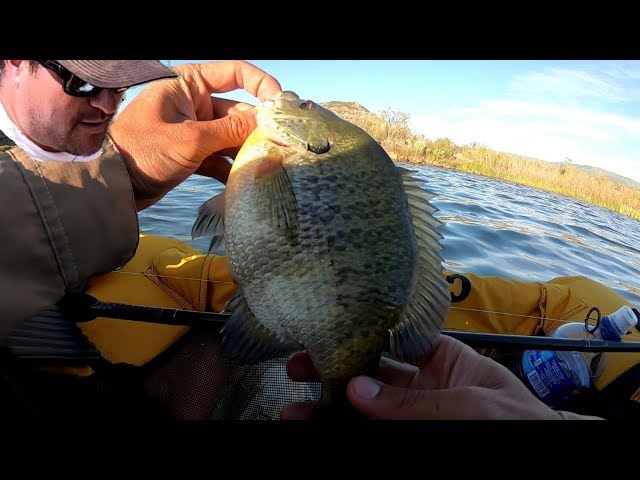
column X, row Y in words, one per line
column 118, row 73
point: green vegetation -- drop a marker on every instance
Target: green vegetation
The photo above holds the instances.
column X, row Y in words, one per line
column 391, row 129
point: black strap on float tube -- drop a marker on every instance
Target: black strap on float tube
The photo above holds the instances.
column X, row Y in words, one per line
column 80, row 307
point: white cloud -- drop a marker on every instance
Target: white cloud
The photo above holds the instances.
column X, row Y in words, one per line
column 566, row 84
column 548, row 116
column 608, row 81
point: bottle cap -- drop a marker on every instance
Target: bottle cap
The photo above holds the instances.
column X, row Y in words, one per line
column 620, row 321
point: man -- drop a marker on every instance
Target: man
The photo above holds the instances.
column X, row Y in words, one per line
column 70, row 190
column 68, row 201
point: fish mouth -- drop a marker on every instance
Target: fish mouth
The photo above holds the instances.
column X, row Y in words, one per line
column 319, row 148
column 280, row 144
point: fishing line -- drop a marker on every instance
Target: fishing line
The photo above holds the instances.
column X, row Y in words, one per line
column 510, row 314
column 173, row 276
column 477, row 310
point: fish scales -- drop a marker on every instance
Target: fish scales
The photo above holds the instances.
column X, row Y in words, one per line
column 320, row 236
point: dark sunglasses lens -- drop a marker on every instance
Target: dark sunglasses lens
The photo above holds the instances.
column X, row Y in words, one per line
column 80, row 88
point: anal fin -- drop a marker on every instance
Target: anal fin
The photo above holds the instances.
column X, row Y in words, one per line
column 245, row 340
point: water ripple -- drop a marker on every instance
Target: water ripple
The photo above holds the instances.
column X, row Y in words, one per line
column 491, row 227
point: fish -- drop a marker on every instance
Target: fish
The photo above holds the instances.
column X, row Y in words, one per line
column 335, row 248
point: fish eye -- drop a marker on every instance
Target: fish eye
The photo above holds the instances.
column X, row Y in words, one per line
column 308, row 105
column 319, row 149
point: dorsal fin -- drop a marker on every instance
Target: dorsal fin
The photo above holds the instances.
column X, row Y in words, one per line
column 421, row 319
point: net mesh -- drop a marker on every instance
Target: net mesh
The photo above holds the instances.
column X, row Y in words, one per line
column 192, row 382
column 186, row 380
column 258, row 392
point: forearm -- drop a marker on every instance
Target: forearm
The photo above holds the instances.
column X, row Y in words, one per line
column 146, row 189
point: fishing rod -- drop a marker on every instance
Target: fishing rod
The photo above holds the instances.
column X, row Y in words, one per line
column 81, row 307
column 525, row 342
column 54, row 334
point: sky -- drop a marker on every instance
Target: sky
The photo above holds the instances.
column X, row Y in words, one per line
column 587, row 111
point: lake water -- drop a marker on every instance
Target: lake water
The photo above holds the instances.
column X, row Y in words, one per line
column 491, row 227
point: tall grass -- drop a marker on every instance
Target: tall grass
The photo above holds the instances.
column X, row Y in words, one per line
column 391, row 129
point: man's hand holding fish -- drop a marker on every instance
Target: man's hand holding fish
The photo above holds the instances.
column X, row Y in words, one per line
column 452, row 382
column 176, row 128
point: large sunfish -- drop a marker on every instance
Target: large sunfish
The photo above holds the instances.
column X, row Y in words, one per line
column 335, row 248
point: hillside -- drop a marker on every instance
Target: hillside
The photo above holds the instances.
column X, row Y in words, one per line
column 348, row 108
column 614, row 177
column 597, row 186
column 358, row 115
column 593, row 171
column 378, row 126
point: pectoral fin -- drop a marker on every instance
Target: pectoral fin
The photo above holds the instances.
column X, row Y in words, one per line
column 420, row 320
column 245, row 340
column 210, row 221
column 275, row 198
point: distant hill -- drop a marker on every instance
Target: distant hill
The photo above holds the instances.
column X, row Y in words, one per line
column 359, row 115
column 614, row 177
column 355, row 113
column 345, row 107
column 595, row 171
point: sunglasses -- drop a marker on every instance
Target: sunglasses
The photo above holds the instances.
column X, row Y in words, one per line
column 73, row 85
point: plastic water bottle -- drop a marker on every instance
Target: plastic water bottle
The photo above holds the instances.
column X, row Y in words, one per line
column 555, row 376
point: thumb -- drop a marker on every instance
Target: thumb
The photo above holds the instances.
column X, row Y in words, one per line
column 227, row 132
column 378, row 400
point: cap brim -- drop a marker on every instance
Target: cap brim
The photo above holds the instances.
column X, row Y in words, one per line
column 118, row 73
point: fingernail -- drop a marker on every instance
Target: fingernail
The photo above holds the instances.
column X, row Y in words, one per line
column 366, row 387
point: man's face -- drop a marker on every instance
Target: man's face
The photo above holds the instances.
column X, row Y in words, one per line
column 59, row 122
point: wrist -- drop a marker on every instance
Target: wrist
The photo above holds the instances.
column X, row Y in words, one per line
column 144, row 190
